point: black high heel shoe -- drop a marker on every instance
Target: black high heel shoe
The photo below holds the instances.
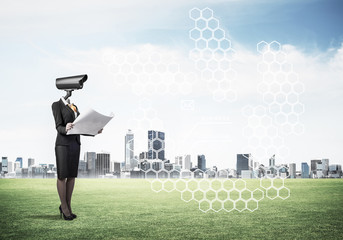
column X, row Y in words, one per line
column 72, row 214
column 68, row 218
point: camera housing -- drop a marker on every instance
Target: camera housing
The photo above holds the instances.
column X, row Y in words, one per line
column 71, row 83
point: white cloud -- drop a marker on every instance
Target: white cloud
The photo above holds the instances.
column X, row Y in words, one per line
column 321, row 73
column 312, row 70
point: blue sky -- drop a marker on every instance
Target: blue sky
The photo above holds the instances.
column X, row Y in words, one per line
column 41, row 41
column 305, row 24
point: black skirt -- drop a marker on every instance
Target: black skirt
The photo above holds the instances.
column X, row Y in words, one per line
column 67, row 160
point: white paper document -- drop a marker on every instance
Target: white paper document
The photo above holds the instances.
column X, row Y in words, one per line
column 89, row 123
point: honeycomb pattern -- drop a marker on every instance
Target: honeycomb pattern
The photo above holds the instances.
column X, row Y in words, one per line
column 213, row 54
column 216, row 192
column 272, row 180
column 211, row 194
column 156, row 145
column 264, row 136
column 275, row 188
column 269, row 124
column 280, row 87
column 151, row 71
column 145, row 117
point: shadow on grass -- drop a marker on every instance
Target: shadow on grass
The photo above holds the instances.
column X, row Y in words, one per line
column 55, row 217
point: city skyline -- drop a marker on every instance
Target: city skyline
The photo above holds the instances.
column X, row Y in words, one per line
column 135, row 155
column 156, row 143
column 96, row 165
column 145, row 94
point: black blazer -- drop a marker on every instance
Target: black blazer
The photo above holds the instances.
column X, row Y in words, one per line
column 64, row 114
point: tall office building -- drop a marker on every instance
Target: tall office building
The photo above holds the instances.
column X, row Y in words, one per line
column 272, row 161
column 156, row 145
column 292, row 170
column 90, row 159
column 102, row 165
column 243, row 161
column 314, row 166
column 116, row 169
column 325, row 163
column 20, row 160
column 179, row 161
column 16, row 165
column 320, row 170
column 4, row 164
column 30, row 162
column 305, row 170
column 129, row 150
column 187, row 162
column 10, row 167
column 202, row 162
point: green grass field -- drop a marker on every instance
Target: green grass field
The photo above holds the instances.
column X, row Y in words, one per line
column 129, row 209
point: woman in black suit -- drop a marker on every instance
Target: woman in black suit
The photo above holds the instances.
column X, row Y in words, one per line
column 67, row 151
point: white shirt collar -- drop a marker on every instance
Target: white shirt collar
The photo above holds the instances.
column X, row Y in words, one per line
column 64, row 101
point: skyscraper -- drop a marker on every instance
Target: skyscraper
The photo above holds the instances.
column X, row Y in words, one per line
column 129, row 150
column 156, row 145
column 30, row 162
column 202, row 162
column 178, row 160
column 187, row 162
column 292, row 170
column 102, row 165
column 90, row 158
column 16, row 165
column 4, row 164
column 325, row 163
column 314, row 166
column 243, row 163
column 20, row 160
column 10, row 167
column 304, row 170
column 272, row 161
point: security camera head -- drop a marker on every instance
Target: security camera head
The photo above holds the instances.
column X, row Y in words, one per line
column 71, row 83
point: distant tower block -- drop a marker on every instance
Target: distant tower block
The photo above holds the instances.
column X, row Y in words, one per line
column 272, row 161
column 292, row 170
column 243, row 163
column 202, row 162
column 156, row 145
column 129, row 150
column 187, row 162
column 30, row 162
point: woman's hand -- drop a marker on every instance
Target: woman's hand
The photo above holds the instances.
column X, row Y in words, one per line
column 100, row 131
column 69, row 126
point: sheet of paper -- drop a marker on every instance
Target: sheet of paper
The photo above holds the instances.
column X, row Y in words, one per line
column 89, row 123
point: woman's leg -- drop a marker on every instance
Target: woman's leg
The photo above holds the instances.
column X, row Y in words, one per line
column 62, row 193
column 70, row 187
